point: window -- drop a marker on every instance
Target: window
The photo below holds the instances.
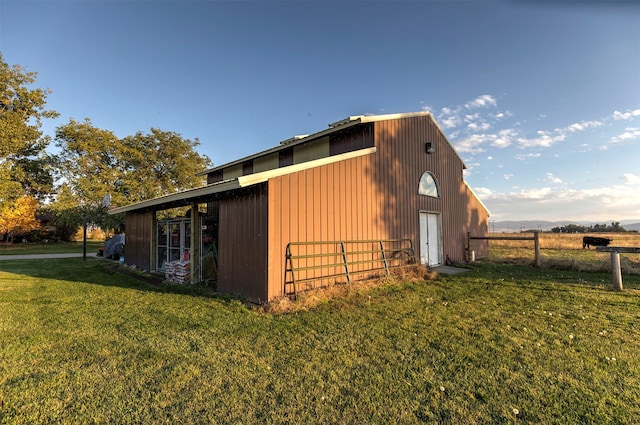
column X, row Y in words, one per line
column 428, row 185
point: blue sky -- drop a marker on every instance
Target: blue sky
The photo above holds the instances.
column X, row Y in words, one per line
column 540, row 98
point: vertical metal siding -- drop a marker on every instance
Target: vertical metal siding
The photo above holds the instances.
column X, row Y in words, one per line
column 373, row 197
column 478, row 224
column 232, row 172
column 321, row 204
column 242, row 248
column 139, row 236
column 403, row 142
column 265, row 163
column 285, row 157
column 310, row 151
column 351, row 139
column 216, row 176
column 247, row 168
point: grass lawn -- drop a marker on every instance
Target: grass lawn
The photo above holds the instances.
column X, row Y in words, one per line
column 49, row 248
column 80, row 343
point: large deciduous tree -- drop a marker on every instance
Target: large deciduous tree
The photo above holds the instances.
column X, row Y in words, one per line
column 161, row 162
column 94, row 162
column 25, row 166
column 91, row 162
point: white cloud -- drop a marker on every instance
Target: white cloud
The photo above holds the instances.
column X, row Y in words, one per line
column 451, row 121
column 451, row 117
column 583, row 125
column 472, row 144
column 537, row 193
column 617, row 115
column 474, row 137
column 548, row 138
column 619, row 202
column 523, row 156
column 631, row 178
column 501, row 115
column 475, row 143
column 544, row 139
column 504, row 138
column 553, row 179
column 482, row 102
column 479, row 126
column 483, row 191
column 631, row 133
column 471, row 117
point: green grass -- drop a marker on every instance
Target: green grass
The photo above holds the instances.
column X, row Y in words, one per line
column 80, row 343
column 49, row 248
column 577, row 259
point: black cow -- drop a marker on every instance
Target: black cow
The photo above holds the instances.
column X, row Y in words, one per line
column 589, row 241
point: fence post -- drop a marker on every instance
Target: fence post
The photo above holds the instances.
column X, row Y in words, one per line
column 615, row 269
column 468, row 247
column 536, row 243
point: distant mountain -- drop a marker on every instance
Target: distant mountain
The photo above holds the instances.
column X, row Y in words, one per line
column 541, row 225
column 519, row 226
column 632, row 226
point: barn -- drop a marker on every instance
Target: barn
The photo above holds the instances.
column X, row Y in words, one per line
column 364, row 195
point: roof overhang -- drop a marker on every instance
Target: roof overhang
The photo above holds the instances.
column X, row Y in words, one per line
column 202, row 194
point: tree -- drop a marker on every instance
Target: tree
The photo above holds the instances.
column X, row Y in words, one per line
column 19, row 217
column 25, row 166
column 70, row 214
column 94, row 162
column 594, row 228
column 162, row 162
column 90, row 163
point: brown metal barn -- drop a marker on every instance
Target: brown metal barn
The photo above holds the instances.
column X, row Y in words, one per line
column 350, row 200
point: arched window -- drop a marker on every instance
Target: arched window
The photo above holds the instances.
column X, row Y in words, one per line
column 428, row 185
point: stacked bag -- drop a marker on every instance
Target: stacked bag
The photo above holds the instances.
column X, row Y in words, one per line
column 178, row 271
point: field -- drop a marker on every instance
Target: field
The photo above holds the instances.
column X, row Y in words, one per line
column 565, row 251
column 81, row 342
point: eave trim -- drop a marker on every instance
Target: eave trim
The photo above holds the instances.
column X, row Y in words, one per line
column 263, row 176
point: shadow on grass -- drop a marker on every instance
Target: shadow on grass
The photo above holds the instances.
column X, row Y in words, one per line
column 105, row 272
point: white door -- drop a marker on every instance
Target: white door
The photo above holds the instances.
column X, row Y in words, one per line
column 430, row 252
